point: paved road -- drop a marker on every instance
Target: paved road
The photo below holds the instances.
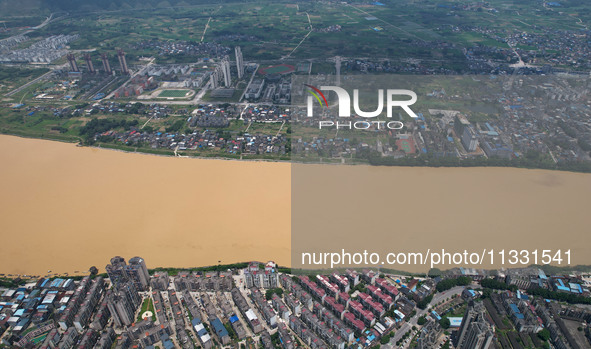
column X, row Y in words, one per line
column 17, row 90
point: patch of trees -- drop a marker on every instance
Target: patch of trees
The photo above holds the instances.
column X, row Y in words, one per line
column 10, row 283
column 359, row 287
column 176, row 126
column 386, row 338
column 571, row 132
column 221, row 267
column 135, row 108
column 422, row 304
column 497, row 285
column 586, row 146
column 544, row 334
column 269, row 293
column 447, row 284
column 61, row 129
column 96, row 126
column 560, row 296
column 532, row 159
column 434, row 272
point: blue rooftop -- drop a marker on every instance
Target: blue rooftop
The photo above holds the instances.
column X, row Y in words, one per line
column 219, row 328
column 576, row 288
column 516, row 311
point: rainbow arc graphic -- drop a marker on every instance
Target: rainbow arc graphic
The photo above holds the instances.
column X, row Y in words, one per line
column 316, row 92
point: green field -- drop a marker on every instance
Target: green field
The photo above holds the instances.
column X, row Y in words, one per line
column 147, row 305
column 174, row 93
column 275, row 29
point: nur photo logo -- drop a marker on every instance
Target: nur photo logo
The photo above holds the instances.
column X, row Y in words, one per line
column 344, row 107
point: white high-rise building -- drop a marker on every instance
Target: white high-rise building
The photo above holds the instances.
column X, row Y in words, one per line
column 475, row 332
column 214, row 80
column 226, row 72
column 239, row 62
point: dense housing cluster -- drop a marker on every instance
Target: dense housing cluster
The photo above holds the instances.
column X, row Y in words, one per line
column 132, row 307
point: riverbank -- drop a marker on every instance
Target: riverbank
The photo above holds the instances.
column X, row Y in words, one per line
column 375, row 160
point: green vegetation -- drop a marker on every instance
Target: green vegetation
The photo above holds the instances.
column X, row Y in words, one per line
column 386, row 338
column 147, row 305
column 173, row 93
column 556, row 270
column 176, row 127
column 422, row 320
column 497, row 285
column 278, row 27
column 434, row 272
column 422, row 304
column 544, row 334
column 405, row 336
column 560, row 296
column 10, row 283
column 102, row 125
column 231, row 331
column 530, row 160
column 359, row 287
column 447, row 284
column 221, row 267
column 14, row 77
column 276, row 340
column 269, row 293
column 82, row 127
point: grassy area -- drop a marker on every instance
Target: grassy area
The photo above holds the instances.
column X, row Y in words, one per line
column 174, row 93
column 13, row 77
column 43, row 124
column 147, row 305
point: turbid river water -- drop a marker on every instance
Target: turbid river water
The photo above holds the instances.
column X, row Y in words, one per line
column 65, row 208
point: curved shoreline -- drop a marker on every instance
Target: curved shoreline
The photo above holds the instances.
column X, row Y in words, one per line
column 292, row 161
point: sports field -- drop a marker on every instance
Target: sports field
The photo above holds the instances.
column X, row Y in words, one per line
column 174, row 93
column 406, row 145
